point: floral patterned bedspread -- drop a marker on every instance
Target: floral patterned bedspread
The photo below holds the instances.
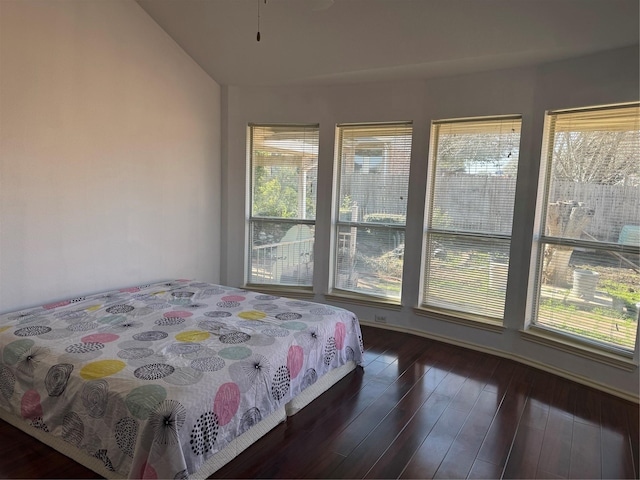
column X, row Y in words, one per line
column 153, row 380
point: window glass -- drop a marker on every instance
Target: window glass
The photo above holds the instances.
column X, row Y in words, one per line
column 588, row 279
column 284, row 166
column 373, row 162
column 473, row 173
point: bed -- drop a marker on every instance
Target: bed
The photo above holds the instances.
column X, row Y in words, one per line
column 168, row 380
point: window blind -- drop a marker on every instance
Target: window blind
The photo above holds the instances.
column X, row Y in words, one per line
column 473, row 173
column 283, row 178
column 587, row 280
column 476, row 164
column 373, row 165
column 284, row 166
column 595, row 161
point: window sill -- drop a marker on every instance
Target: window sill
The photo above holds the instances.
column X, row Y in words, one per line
column 582, row 349
column 461, row 318
column 366, row 301
column 282, row 291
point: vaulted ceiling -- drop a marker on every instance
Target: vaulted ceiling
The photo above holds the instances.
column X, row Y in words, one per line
column 314, row 42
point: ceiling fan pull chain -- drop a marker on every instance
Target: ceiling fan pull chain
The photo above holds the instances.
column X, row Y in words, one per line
column 258, row 35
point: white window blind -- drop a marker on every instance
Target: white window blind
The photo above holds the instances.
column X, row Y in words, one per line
column 473, row 173
column 283, row 169
column 373, row 165
column 588, row 281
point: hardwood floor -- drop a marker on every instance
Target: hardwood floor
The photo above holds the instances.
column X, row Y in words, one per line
column 420, row 409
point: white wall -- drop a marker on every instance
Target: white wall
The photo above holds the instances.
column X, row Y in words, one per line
column 608, row 77
column 109, row 152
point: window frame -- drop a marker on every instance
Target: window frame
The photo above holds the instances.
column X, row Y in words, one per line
column 352, row 295
column 453, row 315
column 251, row 219
column 548, row 335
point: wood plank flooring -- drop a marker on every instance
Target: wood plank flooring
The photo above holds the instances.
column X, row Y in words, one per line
column 420, row 409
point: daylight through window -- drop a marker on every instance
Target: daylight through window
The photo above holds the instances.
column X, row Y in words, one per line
column 284, row 170
column 472, row 184
column 373, row 164
column 588, row 277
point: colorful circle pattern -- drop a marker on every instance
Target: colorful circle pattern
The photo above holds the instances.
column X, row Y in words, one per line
column 158, row 345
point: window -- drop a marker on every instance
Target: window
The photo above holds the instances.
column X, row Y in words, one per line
column 587, row 280
column 283, row 166
column 469, row 214
column 373, row 165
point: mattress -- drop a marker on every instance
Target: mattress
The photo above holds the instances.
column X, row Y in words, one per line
column 168, row 380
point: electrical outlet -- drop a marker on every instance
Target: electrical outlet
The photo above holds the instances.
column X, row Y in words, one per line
column 380, row 318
